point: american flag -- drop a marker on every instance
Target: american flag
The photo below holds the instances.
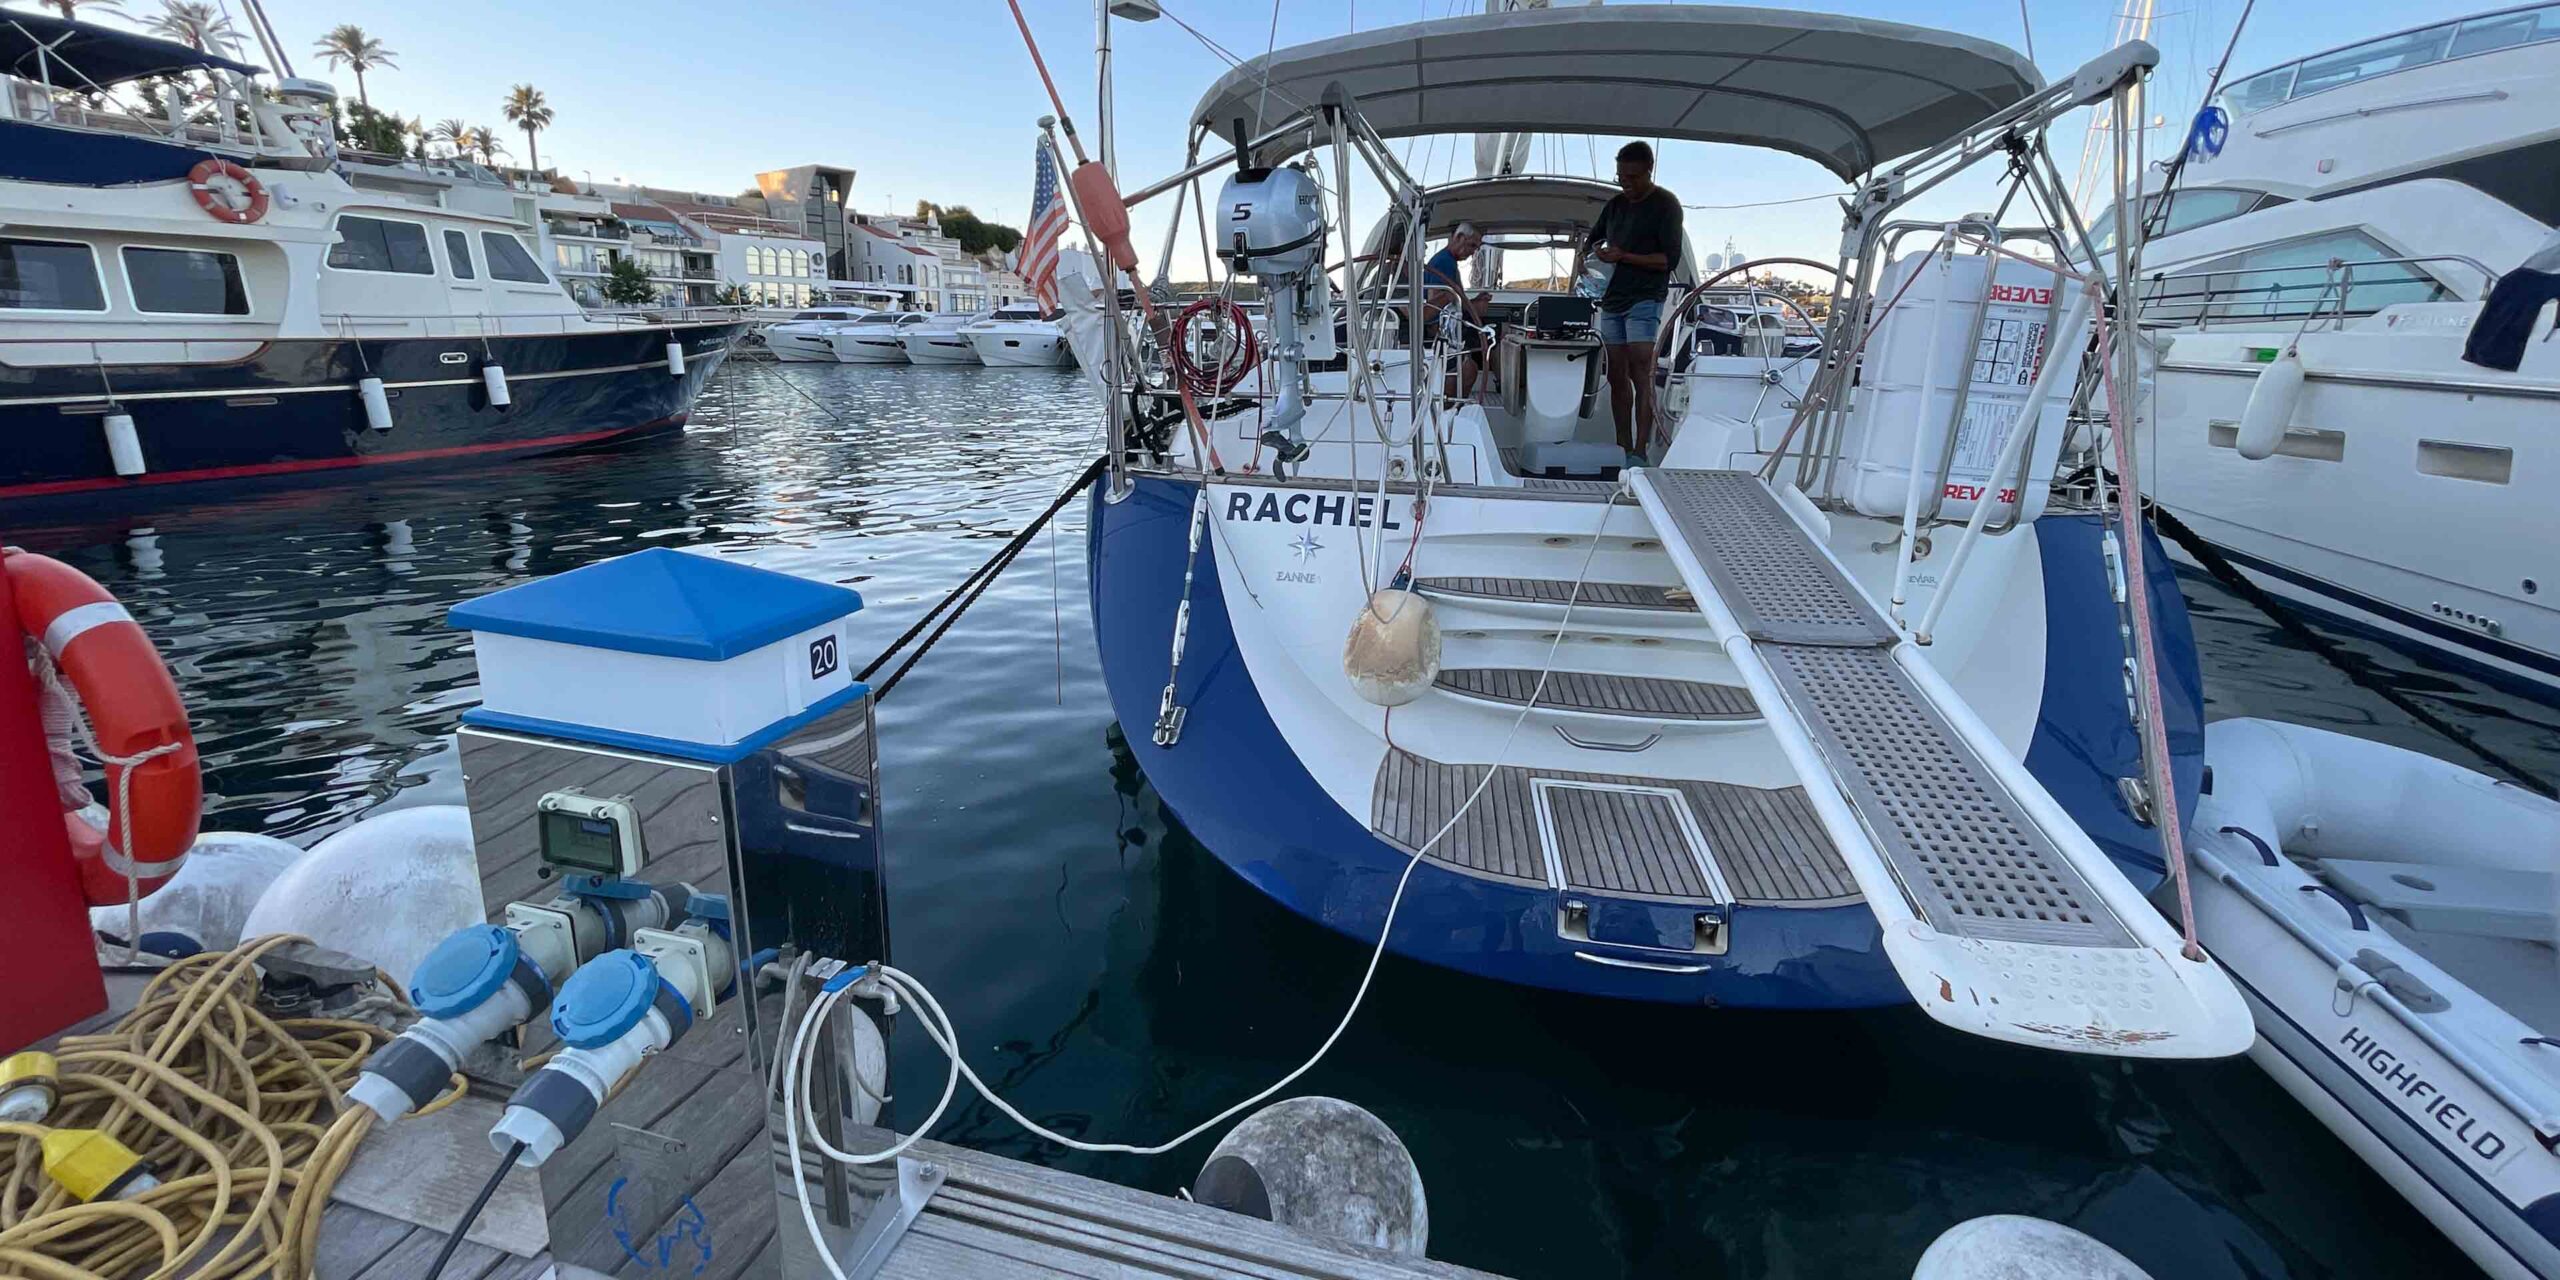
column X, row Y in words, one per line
column 1039, row 257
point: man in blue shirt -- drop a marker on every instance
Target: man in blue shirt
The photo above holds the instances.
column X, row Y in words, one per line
column 1441, row 287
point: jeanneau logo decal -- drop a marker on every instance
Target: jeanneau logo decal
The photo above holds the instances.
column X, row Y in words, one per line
column 1312, row 508
column 1306, row 546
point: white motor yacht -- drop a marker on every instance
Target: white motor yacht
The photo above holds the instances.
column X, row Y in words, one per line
column 1018, row 336
column 940, row 339
column 873, row 339
column 2325, row 269
column 804, row 337
column 203, row 303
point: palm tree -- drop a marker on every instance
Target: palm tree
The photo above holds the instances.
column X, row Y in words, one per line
column 526, row 110
column 69, row 7
column 484, row 143
column 195, row 24
column 349, row 46
column 451, row 132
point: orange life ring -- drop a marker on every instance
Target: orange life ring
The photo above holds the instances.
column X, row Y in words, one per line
column 236, row 197
column 134, row 710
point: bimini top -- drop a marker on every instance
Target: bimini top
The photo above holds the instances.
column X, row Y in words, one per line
column 1513, row 204
column 73, row 55
column 1845, row 93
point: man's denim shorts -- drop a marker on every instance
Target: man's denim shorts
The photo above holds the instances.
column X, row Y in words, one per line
column 1639, row 323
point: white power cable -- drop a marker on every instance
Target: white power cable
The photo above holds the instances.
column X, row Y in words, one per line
column 938, row 1027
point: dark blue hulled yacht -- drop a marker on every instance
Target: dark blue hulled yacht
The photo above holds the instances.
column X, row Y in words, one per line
column 197, row 294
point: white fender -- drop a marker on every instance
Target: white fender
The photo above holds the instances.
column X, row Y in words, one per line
column 387, row 889
column 1393, row 652
column 2325, row 794
column 1323, row 1166
column 211, row 896
column 377, row 403
column 2271, row 405
column 2006, row 1246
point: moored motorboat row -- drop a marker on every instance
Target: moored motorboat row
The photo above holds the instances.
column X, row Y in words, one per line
column 1016, row 335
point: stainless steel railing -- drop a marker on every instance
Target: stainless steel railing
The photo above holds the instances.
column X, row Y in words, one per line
column 2205, row 297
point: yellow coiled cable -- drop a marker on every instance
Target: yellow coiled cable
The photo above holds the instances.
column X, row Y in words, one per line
column 242, row 1117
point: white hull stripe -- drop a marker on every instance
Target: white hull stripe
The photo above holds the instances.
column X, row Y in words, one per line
column 79, row 622
column 226, row 393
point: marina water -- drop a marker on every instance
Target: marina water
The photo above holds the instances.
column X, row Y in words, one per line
column 1117, row 982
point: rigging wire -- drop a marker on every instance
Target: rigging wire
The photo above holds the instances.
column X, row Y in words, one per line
column 1762, row 204
column 2159, row 212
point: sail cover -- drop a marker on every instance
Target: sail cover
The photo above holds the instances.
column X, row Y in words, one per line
column 1845, row 93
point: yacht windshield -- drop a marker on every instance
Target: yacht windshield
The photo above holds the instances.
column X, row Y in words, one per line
column 2483, row 34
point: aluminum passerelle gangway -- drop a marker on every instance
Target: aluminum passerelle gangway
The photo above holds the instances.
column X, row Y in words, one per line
column 2000, row 914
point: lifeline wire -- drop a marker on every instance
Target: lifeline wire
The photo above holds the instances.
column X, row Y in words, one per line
column 938, row 1026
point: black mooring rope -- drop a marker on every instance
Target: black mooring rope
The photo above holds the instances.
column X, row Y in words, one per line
column 2355, row 666
column 972, row 587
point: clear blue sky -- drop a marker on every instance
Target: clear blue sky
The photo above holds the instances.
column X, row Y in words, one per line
column 938, row 100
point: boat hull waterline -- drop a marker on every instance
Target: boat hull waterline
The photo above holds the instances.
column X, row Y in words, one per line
column 292, row 408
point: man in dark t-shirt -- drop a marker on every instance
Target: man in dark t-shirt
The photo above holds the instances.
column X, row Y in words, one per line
column 1638, row 234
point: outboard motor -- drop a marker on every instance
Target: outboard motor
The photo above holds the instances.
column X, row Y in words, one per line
column 1275, row 232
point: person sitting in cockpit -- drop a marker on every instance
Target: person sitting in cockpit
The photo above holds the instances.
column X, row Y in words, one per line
column 1441, row 287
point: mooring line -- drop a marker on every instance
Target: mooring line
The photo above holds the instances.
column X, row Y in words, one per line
column 972, row 587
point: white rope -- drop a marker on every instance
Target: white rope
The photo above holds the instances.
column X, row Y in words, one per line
column 938, row 1027
column 60, row 704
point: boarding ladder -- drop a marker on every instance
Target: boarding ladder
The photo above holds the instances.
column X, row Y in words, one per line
column 1999, row 913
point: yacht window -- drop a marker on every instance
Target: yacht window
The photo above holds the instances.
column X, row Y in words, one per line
column 2259, row 92
column 49, row 275
column 372, row 244
column 2291, row 279
column 2499, row 30
column 457, row 252
column 2379, row 57
column 2189, row 208
column 508, row 260
column 191, row 282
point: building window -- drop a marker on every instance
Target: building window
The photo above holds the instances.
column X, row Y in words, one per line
column 193, row 282
column 509, row 261
column 457, row 252
column 373, row 244
column 49, row 275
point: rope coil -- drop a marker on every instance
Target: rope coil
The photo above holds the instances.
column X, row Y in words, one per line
column 242, row 1117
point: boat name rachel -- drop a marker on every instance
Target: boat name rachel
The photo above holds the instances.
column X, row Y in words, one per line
column 1312, row 508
